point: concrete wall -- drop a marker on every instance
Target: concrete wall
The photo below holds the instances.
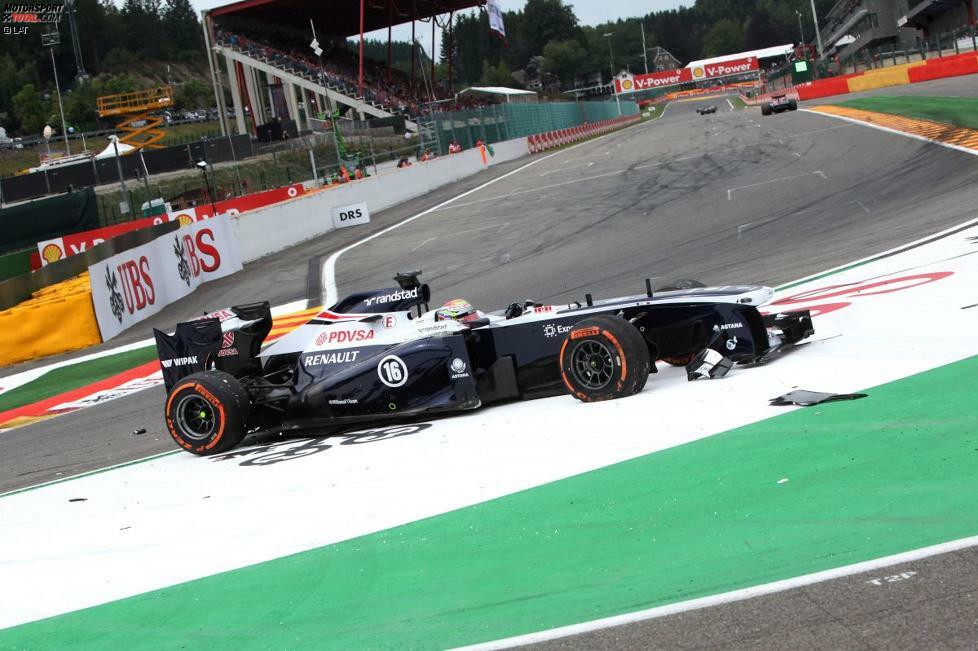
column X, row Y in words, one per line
column 277, row 227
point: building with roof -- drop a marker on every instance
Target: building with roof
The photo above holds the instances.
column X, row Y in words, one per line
column 499, row 94
column 935, row 17
column 661, row 59
column 854, row 25
column 264, row 54
column 760, row 55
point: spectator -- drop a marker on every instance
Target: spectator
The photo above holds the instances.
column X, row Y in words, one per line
column 404, row 162
column 454, row 147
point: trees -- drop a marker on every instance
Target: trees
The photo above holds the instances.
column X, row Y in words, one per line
column 498, row 75
column 545, row 21
column 184, row 32
column 726, row 36
column 193, row 94
column 30, row 110
column 548, row 27
column 564, row 59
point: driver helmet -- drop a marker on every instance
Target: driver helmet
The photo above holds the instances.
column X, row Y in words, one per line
column 458, row 309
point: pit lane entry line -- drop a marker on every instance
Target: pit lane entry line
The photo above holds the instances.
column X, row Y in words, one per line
column 726, row 597
column 329, row 267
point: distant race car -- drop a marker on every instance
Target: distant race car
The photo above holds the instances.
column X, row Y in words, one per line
column 383, row 354
column 779, row 104
column 706, row 110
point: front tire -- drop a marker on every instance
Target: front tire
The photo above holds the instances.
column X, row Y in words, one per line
column 765, row 109
column 792, row 105
column 603, row 358
column 207, row 412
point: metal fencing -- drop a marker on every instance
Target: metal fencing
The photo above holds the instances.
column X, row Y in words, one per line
column 499, row 122
column 956, row 42
column 959, row 41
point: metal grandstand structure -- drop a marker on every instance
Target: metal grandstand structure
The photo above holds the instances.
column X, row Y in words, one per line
column 337, row 18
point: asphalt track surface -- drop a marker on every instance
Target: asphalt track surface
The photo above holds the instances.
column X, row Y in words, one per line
column 730, row 197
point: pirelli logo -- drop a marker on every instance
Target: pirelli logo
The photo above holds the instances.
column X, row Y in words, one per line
column 585, row 332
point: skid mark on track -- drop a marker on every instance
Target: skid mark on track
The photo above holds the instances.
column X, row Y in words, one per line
column 819, row 173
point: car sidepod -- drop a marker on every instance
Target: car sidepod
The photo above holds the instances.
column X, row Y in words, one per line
column 423, row 376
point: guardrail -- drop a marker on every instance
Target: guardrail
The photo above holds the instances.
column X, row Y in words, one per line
column 561, row 137
column 907, row 73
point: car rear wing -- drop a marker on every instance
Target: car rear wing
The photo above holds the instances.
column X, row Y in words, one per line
column 228, row 341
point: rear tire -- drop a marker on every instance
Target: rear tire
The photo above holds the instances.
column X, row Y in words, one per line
column 603, row 358
column 792, row 105
column 207, row 412
column 765, row 109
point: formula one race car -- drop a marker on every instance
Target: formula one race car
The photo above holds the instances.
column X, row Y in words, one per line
column 707, row 110
column 778, row 104
column 383, row 354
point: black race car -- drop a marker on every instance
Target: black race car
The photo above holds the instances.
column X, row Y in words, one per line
column 706, row 110
column 779, row 104
column 383, row 354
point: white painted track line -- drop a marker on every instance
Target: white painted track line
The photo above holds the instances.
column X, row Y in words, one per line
column 878, row 127
column 726, row 597
column 329, row 267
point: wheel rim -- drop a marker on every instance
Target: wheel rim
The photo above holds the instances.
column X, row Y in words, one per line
column 195, row 418
column 592, row 364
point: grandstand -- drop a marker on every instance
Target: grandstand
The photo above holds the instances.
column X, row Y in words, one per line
column 259, row 51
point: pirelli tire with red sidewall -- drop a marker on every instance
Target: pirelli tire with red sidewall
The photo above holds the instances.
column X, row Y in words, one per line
column 604, row 357
column 207, row 412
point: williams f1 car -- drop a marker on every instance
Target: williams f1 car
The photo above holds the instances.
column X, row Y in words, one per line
column 779, row 104
column 384, row 355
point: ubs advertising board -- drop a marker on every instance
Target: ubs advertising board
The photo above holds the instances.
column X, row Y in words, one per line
column 136, row 284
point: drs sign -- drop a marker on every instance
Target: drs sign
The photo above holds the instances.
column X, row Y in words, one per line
column 351, row 215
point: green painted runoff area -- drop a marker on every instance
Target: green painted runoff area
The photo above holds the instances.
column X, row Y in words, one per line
column 957, row 111
column 654, row 111
column 74, row 376
column 804, row 491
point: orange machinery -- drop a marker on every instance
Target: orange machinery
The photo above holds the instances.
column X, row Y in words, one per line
column 140, row 127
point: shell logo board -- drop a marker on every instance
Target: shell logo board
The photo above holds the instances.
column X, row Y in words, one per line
column 52, row 250
column 625, row 83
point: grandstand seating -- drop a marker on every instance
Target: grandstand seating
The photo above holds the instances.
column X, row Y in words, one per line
column 339, row 73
